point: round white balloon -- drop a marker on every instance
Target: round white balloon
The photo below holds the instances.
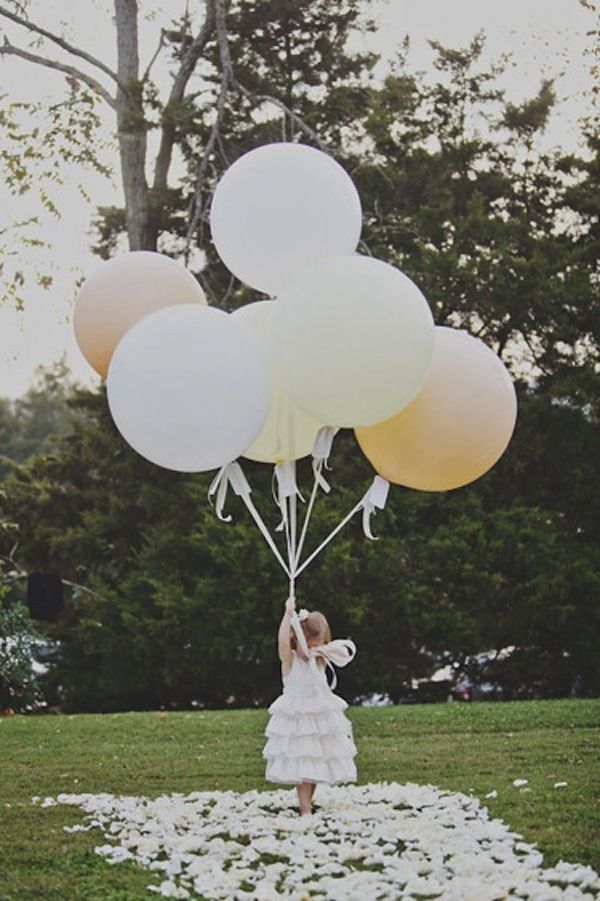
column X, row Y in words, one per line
column 353, row 341
column 289, row 432
column 188, row 389
column 279, row 208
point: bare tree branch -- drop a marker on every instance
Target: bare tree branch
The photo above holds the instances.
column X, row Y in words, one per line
column 23, row 574
column 8, row 49
column 83, row 588
column 10, row 559
column 296, row 119
column 154, row 57
column 228, row 82
column 70, row 48
column 188, row 63
column 195, row 209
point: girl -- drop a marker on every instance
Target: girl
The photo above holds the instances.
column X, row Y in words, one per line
column 309, row 738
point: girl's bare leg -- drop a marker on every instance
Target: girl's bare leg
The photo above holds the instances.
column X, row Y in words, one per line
column 305, row 793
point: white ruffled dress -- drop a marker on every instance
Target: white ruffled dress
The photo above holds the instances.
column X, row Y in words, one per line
column 309, row 737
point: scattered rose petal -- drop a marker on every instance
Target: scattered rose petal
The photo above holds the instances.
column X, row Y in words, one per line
column 560, row 784
column 382, row 840
column 492, row 794
column 519, row 782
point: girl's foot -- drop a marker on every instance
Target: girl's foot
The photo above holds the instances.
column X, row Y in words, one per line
column 305, row 793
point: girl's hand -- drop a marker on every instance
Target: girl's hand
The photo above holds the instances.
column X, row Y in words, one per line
column 290, row 604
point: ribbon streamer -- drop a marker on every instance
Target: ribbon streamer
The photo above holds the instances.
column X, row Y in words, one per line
column 339, row 652
column 285, row 488
column 232, row 474
column 375, row 498
column 320, row 455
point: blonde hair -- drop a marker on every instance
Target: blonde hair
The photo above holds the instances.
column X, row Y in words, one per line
column 316, row 629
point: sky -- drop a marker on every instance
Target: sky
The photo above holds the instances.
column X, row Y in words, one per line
column 546, row 37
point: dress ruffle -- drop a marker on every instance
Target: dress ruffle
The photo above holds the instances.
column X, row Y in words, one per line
column 309, row 738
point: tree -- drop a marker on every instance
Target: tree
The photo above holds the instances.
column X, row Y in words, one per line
column 179, row 597
column 32, row 423
column 492, row 228
column 211, row 82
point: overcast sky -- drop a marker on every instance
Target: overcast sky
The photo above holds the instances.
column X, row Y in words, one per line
column 547, row 38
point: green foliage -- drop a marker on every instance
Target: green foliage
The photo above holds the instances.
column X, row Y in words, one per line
column 184, row 608
column 32, row 423
column 19, row 685
column 39, row 143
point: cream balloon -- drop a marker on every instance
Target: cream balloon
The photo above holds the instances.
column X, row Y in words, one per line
column 456, row 428
column 288, row 433
column 120, row 292
column 279, row 208
column 187, row 388
column 352, row 340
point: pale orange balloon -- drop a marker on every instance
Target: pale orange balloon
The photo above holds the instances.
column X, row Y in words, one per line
column 122, row 291
column 458, row 425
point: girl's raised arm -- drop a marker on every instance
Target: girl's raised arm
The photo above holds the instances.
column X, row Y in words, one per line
column 283, row 636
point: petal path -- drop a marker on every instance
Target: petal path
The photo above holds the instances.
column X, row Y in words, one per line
column 377, row 841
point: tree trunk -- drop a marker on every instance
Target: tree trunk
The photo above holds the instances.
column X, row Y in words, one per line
column 131, row 129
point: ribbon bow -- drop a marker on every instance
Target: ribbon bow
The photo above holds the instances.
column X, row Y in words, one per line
column 339, row 652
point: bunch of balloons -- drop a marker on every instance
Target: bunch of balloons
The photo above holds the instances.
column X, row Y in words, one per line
column 346, row 341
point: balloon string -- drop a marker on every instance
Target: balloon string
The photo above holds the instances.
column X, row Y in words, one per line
column 307, row 516
column 292, row 503
column 331, row 535
column 265, row 532
column 375, row 497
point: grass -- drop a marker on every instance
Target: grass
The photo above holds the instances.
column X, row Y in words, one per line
column 472, row 748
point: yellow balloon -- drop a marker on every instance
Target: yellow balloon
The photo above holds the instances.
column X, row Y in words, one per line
column 122, row 291
column 289, row 432
column 456, row 428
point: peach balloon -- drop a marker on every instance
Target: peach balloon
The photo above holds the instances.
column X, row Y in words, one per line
column 122, row 291
column 458, row 425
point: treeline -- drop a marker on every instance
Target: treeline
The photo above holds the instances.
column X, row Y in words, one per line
column 502, row 238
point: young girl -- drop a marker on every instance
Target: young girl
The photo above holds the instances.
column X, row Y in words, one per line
column 309, row 738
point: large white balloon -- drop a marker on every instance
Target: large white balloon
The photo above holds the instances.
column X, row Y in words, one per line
column 279, row 208
column 353, row 341
column 188, row 389
column 288, row 433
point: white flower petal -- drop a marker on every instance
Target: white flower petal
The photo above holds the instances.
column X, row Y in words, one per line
column 365, row 841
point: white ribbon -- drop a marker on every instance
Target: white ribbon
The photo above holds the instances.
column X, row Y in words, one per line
column 375, row 498
column 299, row 633
column 285, row 488
column 339, row 652
column 232, row 474
column 320, row 455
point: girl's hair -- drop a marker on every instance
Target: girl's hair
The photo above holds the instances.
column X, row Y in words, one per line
column 315, row 627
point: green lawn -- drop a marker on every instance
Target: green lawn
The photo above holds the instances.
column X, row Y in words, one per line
column 469, row 748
